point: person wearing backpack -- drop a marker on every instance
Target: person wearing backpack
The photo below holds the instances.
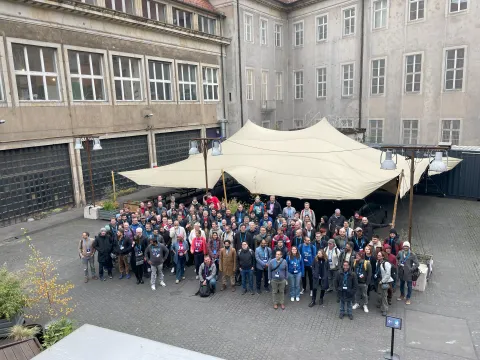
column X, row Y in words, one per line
column 332, row 255
column 407, row 265
column 307, row 251
column 246, row 264
column 277, row 277
column 384, row 281
column 296, row 270
column 363, row 269
column 206, row 274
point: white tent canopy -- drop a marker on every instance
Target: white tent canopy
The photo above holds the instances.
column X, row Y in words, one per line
column 318, row 162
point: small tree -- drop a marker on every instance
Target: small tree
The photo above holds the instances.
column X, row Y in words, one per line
column 45, row 295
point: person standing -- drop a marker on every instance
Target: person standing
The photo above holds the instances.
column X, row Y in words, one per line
column 246, row 264
column 295, row 272
column 384, row 280
column 228, row 264
column 137, row 258
column 308, row 212
column 214, row 245
column 407, row 264
column 289, row 211
column 277, row 276
column 346, row 283
column 347, row 255
column 363, row 270
column 307, row 251
column 103, row 244
column 155, row 256
column 198, row 250
column 332, row 256
column 86, row 251
column 320, row 277
column 180, row 253
column 263, row 255
column 335, row 222
column 123, row 247
column 273, row 207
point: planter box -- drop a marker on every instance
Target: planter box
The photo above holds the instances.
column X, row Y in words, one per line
column 426, row 269
column 106, row 214
column 5, row 324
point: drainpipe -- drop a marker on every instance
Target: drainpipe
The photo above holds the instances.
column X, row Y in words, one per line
column 360, row 91
column 240, row 71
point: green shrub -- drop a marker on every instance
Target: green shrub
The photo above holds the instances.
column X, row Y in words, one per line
column 232, row 204
column 12, row 297
column 56, row 331
column 110, row 205
column 20, row 332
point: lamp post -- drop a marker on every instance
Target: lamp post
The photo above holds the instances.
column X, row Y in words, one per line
column 436, row 165
column 203, row 143
column 96, row 146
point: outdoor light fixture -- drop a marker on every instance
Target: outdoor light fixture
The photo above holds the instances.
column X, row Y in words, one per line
column 216, row 148
column 388, row 163
column 96, row 144
column 437, row 165
column 193, row 148
column 78, row 144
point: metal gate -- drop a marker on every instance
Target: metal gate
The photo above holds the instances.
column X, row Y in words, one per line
column 173, row 147
column 33, row 180
column 119, row 154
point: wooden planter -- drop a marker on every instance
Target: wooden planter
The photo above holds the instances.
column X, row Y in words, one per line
column 106, row 214
column 6, row 325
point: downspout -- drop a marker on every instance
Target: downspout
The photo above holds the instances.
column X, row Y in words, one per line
column 240, row 71
column 360, row 91
column 223, row 121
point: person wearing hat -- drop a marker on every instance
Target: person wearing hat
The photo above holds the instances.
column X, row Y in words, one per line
column 359, row 241
column 363, row 269
column 155, row 255
column 332, row 256
column 394, row 241
column 103, row 244
column 228, row 264
column 407, row 264
column 180, row 254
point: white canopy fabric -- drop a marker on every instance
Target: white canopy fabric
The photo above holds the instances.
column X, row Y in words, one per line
column 318, row 162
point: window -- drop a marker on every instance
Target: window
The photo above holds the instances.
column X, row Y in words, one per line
column 410, row 132
column 263, row 31
column 378, row 77
column 182, row 18
column 456, row 6
column 86, row 76
column 298, row 77
column 375, row 131
column 349, row 21
column 298, row 33
column 153, row 10
column 279, row 85
column 416, row 10
column 278, row 35
column 454, row 66
column 120, row 5
column 380, row 14
column 36, row 72
column 413, row 73
column 248, row 21
column 250, row 84
column 322, row 23
column 91, row 2
column 321, row 82
column 345, row 124
column 2, row 96
column 279, row 125
column 160, row 78
column 187, row 82
column 297, row 123
column 207, row 25
column 126, row 74
column 347, row 80
column 266, row 124
column 451, row 131
column 264, row 88
column 210, row 84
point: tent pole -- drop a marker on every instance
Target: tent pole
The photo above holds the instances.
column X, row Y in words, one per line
column 394, row 217
column 204, row 148
column 410, row 206
column 224, row 187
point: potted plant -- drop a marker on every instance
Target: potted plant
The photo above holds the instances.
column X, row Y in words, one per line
column 12, row 301
column 108, row 210
column 56, row 330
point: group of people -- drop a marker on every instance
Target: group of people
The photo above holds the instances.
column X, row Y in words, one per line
column 281, row 246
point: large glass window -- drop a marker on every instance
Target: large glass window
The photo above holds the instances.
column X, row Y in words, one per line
column 380, row 14
column 207, row 25
column 279, row 85
column 248, row 23
column 321, row 82
column 378, row 77
column 86, row 76
column 349, row 21
column 182, row 18
column 458, row 5
column 263, row 32
column 410, row 132
column 416, row 10
column 278, row 35
column 250, row 83
column 126, row 74
column 413, row 73
column 187, row 82
column 154, row 10
column 121, row 5
column 210, row 84
column 451, row 131
column 375, row 131
column 454, row 67
column 298, row 33
column 322, row 28
column 347, row 80
column 298, row 78
column 160, row 78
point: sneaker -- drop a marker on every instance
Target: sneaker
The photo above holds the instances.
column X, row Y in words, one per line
column 110, row 276
column 103, row 279
column 311, row 292
column 183, row 277
column 128, row 276
column 177, row 281
column 141, row 281
column 163, row 284
column 121, row 276
column 350, row 317
column 173, row 270
column 408, row 302
column 301, row 292
column 384, row 313
column 365, row 308
column 153, row 287
column 292, row 299
column 341, row 316
column 312, row 304
column 298, row 299
column 196, row 277
column 355, row 306
column 401, row 298
column 320, row 302
column 244, row 291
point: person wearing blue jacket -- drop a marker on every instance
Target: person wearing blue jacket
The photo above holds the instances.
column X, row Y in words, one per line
column 307, row 251
column 263, row 254
column 296, row 271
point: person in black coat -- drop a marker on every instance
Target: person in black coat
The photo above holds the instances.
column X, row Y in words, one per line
column 241, row 236
column 320, row 276
column 335, row 221
column 139, row 245
column 368, row 227
column 122, row 247
column 346, row 284
column 103, row 244
column 273, row 208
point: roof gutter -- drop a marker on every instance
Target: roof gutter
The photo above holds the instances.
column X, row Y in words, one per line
column 240, row 80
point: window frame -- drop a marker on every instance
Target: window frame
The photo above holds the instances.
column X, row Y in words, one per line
column 317, row 26
column 4, row 81
column 219, row 89
column 174, row 17
column 295, row 34
column 252, row 38
column 262, row 20
column 295, row 85
column 384, row 58
column 106, row 76
column 197, row 83
column 280, row 34
column 124, row 6
column 342, row 79
column 279, row 86
column 143, row 86
column 374, row 12
column 209, row 21
column 264, row 87
column 408, row 3
column 404, row 82
column 156, row 10
column 173, row 79
column 464, row 68
column 247, row 71
column 402, row 131
column 317, row 83
column 354, row 7
column 60, row 73
column 460, row 129
column 452, row 13
column 383, row 130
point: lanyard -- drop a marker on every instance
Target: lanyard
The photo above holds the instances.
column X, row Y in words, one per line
column 264, row 255
column 244, row 238
column 405, row 258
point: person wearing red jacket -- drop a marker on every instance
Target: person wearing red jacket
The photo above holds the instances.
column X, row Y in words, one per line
column 209, row 199
column 281, row 236
column 199, row 250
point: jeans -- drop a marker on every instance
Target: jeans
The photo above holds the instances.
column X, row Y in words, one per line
column 259, row 274
column 348, row 304
column 107, row 265
column 213, row 284
column 294, row 284
column 153, row 277
column 198, row 258
column 409, row 288
column 331, row 278
column 278, row 289
column 247, row 275
column 86, row 261
column 361, row 294
column 180, row 267
column 308, row 274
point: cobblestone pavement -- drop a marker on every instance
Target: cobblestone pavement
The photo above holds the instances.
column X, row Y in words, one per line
column 234, row 326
